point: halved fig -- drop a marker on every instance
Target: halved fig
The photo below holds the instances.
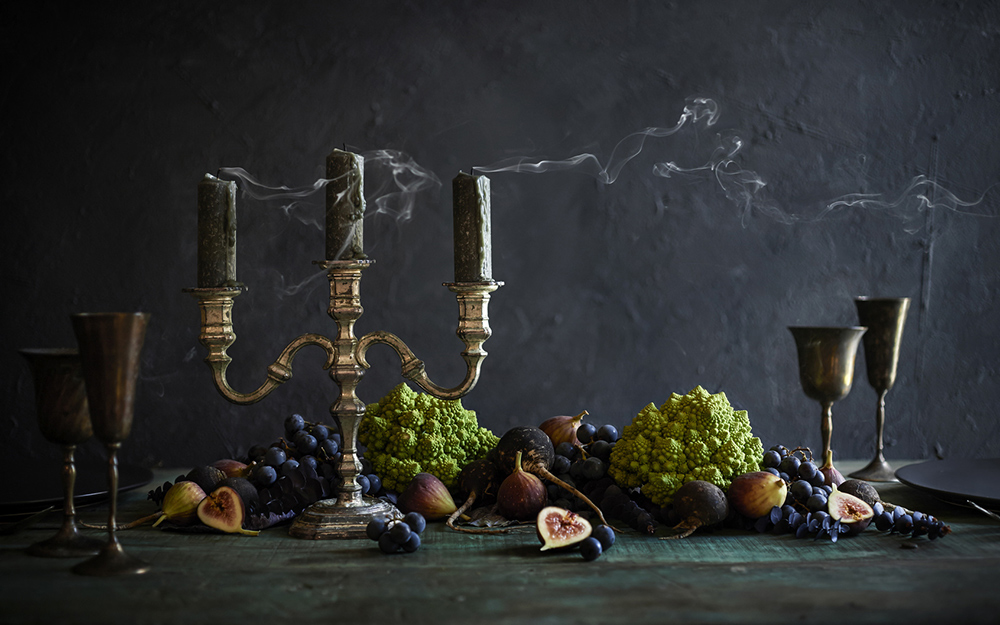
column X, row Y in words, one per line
column 850, row 511
column 224, row 510
column 558, row 528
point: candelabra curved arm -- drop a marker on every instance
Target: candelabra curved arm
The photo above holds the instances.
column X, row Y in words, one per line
column 278, row 372
column 217, row 335
column 473, row 329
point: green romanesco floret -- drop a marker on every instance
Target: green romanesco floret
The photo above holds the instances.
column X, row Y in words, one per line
column 697, row 436
column 407, row 433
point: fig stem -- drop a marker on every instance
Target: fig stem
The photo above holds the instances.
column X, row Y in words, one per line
column 580, row 416
column 124, row 526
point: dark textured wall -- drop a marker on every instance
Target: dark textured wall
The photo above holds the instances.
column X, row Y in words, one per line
column 616, row 294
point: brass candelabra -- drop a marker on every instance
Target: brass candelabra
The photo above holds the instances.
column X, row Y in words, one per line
column 348, row 514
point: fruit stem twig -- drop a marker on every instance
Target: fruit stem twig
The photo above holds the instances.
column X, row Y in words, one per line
column 123, row 526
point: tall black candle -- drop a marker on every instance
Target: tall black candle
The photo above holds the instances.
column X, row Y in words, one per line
column 473, row 248
column 216, row 233
column 345, row 206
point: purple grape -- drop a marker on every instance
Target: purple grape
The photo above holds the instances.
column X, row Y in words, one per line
column 591, row 549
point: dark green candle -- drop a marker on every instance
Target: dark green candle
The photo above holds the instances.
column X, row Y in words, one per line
column 473, row 248
column 216, row 233
column 345, row 206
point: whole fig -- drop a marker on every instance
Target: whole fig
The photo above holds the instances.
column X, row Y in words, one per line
column 521, row 495
column 754, row 494
column 180, row 503
column 428, row 495
column 563, row 429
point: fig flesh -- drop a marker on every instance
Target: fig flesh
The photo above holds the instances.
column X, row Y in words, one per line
column 428, row 495
column 698, row 504
column 754, row 494
column 850, row 511
column 558, row 528
column 562, row 429
column 224, row 510
column 521, row 495
column 180, row 504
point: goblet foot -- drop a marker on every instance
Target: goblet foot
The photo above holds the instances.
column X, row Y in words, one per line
column 878, row 470
column 325, row 519
column 68, row 543
column 112, row 560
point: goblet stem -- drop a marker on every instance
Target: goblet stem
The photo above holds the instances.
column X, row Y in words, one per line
column 878, row 470
column 879, row 424
column 826, row 428
column 112, row 560
column 68, row 542
column 113, row 493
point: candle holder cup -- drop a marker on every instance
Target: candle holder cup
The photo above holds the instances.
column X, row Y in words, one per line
column 884, row 318
column 63, row 418
column 826, row 371
column 347, row 515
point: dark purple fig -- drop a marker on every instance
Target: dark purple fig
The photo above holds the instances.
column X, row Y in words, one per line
column 521, row 495
column 207, row 477
column 558, row 528
column 232, row 468
column 862, row 490
column 537, row 457
column 428, row 495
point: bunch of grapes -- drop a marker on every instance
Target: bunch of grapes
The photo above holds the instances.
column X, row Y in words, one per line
column 394, row 536
column 585, row 466
column 312, row 445
column 807, row 485
column 294, row 472
column 804, row 512
column 903, row 522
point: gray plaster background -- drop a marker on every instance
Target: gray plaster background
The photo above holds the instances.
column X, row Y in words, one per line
column 616, row 294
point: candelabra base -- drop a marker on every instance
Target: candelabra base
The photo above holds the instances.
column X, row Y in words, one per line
column 325, row 519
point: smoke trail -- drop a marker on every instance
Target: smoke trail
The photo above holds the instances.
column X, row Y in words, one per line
column 920, row 195
column 696, row 110
column 742, row 186
column 397, row 178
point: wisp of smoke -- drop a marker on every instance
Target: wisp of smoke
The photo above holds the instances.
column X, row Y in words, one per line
column 739, row 185
column 920, row 195
column 393, row 181
column 696, row 110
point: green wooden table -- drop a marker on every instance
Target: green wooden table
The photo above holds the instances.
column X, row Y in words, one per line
column 723, row 577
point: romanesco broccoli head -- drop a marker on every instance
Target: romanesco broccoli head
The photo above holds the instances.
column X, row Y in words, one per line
column 407, row 433
column 697, row 436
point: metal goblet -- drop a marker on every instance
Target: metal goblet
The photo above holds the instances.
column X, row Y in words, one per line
column 826, row 371
column 884, row 317
column 110, row 344
column 63, row 418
